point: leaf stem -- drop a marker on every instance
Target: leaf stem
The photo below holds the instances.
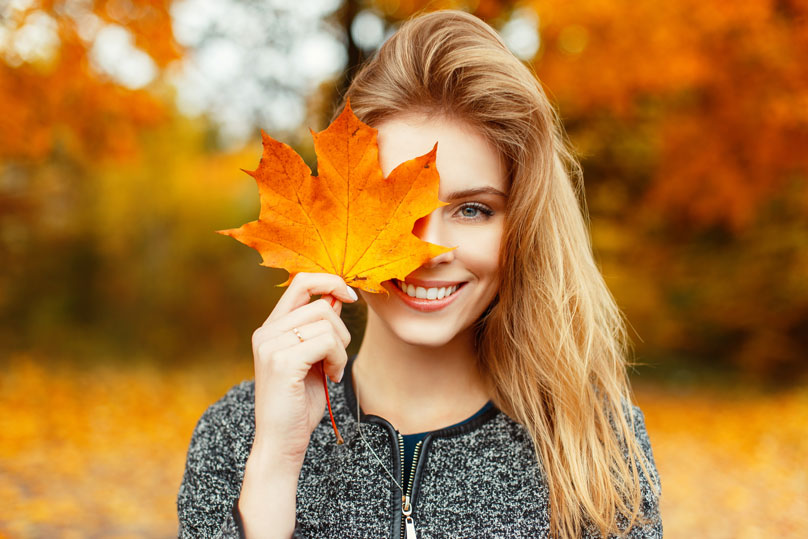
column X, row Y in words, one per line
column 340, row 441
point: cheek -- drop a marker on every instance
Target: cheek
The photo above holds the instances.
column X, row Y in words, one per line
column 478, row 250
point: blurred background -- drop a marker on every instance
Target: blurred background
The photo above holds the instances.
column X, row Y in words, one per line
column 123, row 128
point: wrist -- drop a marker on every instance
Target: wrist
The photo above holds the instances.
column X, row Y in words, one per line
column 264, row 521
column 269, row 469
column 268, row 457
column 268, row 499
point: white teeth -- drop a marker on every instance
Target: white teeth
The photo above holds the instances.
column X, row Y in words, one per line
column 426, row 293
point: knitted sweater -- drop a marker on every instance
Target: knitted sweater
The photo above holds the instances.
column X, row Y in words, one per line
column 479, row 479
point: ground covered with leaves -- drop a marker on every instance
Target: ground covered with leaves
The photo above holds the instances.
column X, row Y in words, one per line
column 100, row 450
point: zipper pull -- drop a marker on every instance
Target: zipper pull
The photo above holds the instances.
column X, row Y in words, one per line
column 406, row 510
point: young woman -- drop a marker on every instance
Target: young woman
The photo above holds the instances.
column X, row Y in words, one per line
column 489, row 396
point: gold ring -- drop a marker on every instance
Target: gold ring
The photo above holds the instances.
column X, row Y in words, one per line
column 297, row 332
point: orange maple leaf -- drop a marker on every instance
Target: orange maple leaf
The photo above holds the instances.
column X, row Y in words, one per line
column 348, row 220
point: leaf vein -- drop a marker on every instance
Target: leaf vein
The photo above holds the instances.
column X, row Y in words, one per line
column 387, row 222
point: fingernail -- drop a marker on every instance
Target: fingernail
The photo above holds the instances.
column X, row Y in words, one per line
column 352, row 293
column 341, row 373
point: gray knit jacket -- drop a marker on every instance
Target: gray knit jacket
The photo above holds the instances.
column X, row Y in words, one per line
column 479, row 479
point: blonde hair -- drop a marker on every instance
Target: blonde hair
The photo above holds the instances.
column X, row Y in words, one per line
column 553, row 342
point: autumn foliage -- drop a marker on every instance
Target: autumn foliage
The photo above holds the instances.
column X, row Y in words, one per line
column 54, row 100
column 721, row 91
column 691, row 119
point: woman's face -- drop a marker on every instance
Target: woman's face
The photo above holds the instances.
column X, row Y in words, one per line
column 473, row 181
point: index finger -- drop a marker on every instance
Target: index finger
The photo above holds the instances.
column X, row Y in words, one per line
column 305, row 285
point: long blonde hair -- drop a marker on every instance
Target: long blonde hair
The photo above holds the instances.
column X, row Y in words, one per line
column 553, row 342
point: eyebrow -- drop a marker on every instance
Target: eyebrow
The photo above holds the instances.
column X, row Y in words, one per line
column 465, row 193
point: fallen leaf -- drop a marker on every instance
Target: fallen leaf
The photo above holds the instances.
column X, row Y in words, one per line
column 349, row 220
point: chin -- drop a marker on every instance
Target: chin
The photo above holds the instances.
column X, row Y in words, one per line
column 422, row 335
column 416, row 330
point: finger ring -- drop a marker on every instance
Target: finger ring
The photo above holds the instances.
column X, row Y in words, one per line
column 297, row 332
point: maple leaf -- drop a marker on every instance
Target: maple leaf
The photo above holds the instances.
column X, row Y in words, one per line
column 349, row 220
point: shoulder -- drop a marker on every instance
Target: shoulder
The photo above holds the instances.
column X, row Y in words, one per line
column 227, row 423
column 650, row 484
column 637, row 421
column 214, row 468
column 236, row 404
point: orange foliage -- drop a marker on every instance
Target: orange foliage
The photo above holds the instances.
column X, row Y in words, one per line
column 97, row 450
column 349, row 220
column 726, row 86
column 148, row 20
column 732, row 462
column 59, row 102
column 403, row 9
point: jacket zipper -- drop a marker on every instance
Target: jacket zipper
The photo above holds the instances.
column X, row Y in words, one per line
column 406, row 499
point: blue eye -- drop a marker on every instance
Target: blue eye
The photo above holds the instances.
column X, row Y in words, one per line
column 472, row 211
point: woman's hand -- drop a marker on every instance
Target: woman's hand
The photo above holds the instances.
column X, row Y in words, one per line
column 289, row 396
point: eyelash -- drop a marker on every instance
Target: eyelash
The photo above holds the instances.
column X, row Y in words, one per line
column 488, row 212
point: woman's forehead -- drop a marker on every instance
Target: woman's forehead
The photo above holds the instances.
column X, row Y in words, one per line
column 465, row 159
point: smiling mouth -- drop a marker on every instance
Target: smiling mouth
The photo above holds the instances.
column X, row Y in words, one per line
column 421, row 292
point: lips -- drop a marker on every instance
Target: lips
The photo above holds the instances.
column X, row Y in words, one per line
column 434, row 295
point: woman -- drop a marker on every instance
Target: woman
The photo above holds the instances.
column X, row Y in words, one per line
column 495, row 405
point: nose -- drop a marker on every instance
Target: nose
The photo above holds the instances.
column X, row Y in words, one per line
column 429, row 228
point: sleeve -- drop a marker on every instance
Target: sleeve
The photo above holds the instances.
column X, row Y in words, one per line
column 207, row 502
column 212, row 480
column 650, row 491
